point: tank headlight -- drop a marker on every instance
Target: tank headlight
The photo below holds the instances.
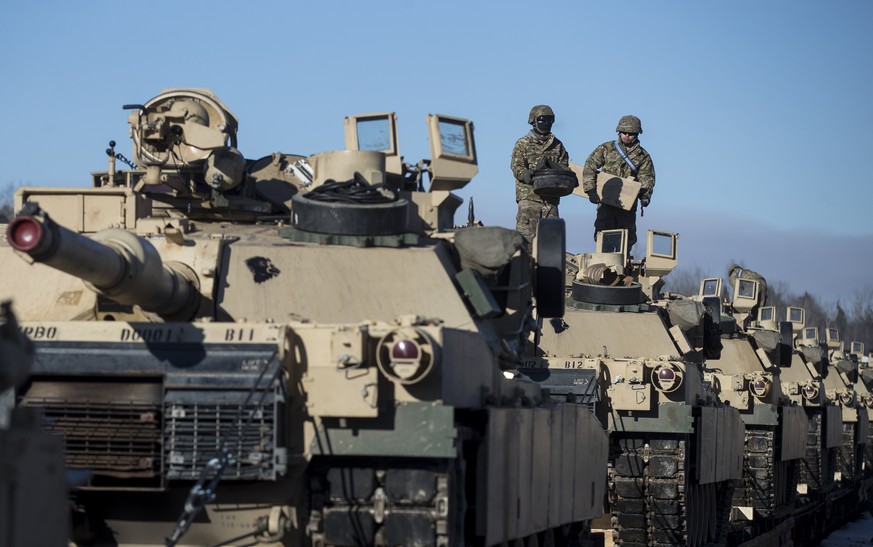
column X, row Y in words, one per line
column 666, row 378
column 810, row 392
column 846, row 398
column 405, row 350
column 406, row 355
column 868, row 400
column 760, row 387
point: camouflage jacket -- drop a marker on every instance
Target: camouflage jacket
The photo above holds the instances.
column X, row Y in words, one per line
column 527, row 153
column 605, row 158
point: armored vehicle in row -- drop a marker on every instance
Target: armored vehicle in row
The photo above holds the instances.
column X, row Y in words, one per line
column 841, row 387
column 803, row 383
column 864, row 389
column 746, row 374
column 295, row 350
column 621, row 350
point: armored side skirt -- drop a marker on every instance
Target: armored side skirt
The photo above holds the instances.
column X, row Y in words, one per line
column 557, row 479
column 793, row 434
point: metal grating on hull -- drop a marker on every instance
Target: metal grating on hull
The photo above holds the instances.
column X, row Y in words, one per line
column 109, row 429
column 136, row 416
column 198, row 424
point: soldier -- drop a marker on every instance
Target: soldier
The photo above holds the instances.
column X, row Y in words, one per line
column 623, row 157
column 738, row 272
column 532, row 151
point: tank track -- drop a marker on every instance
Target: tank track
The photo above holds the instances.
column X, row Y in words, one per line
column 848, row 463
column 651, row 493
column 868, row 455
column 768, row 485
column 811, row 472
column 351, row 505
column 430, row 501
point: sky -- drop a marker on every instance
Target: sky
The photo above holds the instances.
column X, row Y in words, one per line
column 755, row 112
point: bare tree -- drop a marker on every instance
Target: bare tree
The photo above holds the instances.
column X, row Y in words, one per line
column 684, row 280
column 859, row 326
column 778, row 294
column 7, row 192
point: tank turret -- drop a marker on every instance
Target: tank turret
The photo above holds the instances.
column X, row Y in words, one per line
column 114, row 263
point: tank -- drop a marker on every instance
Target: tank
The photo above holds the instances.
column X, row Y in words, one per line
column 294, row 350
column 841, row 383
column 621, row 351
column 864, row 388
column 34, row 511
column 746, row 374
column 803, row 383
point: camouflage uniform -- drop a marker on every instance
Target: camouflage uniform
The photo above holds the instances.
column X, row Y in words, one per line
column 527, row 153
column 606, row 159
column 738, row 272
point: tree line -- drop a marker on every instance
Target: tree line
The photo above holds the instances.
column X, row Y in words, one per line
column 7, row 194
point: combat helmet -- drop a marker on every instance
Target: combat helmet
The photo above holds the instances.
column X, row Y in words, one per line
column 629, row 124
column 540, row 110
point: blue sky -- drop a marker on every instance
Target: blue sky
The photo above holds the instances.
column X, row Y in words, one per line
column 755, row 112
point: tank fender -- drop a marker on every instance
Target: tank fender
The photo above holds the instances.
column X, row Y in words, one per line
column 720, row 443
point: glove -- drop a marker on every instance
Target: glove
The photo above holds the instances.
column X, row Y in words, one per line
column 644, row 200
column 593, row 197
column 526, row 176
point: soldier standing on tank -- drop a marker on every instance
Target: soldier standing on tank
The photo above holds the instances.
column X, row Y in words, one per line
column 534, row 150
column 623, row 157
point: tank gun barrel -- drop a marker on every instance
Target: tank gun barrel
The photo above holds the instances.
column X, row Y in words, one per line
column 113, row 262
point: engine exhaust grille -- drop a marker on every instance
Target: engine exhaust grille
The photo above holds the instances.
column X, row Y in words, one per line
column 110, row 429
column 198, row 424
